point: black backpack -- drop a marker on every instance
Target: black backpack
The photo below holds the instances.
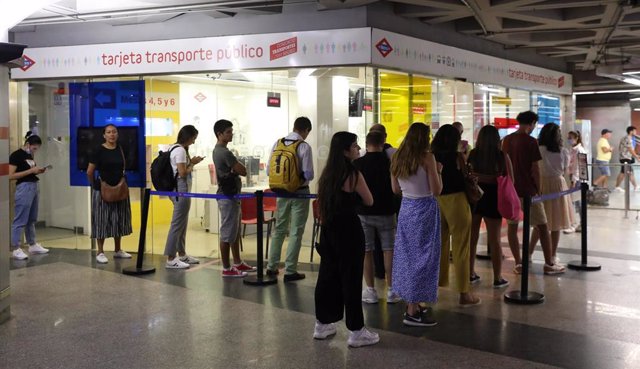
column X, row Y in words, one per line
column 162, row 175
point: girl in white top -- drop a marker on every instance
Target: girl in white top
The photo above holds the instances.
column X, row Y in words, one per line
column 182, row 165
column 555, row 160
column 574, row 140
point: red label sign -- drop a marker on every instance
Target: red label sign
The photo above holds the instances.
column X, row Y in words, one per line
column 200, row 97
column 27, row 62
column 283, row 48
column 418, row 109
column 384, row 47
column 273, row 102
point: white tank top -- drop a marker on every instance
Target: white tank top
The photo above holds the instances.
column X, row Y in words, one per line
column 415, row 186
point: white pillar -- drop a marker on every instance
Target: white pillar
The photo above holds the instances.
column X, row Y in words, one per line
column 5, row 230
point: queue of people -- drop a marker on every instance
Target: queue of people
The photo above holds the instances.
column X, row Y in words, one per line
column 358, row 203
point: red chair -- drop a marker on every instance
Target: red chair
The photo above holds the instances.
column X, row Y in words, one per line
column 269, row 203
column 250, row 216
column 315, row 233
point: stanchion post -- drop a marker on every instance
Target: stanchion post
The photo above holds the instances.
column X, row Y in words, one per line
column 260, row 279
column 139, row 269
column 524, row 297
column 583, row 264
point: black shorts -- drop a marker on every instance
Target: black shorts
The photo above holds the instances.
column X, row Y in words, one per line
column 626, row 161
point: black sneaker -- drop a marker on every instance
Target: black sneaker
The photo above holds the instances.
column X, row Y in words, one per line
column 500, row 283
column 293, row 277
column 474, row 279
column 272, row 273
column 418, row 320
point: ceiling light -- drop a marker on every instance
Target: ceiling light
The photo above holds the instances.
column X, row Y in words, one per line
column 635, row 99
column 633, row 81
column 604, row 92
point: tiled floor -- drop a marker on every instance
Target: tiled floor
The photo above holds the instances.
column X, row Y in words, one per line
column 69, row 312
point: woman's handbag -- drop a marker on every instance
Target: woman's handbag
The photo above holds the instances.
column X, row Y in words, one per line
column 508, row 200
column 471, row 187
column 118, row 192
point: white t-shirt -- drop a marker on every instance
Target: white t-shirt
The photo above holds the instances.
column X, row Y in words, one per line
column 554, row 163
column 178, row 155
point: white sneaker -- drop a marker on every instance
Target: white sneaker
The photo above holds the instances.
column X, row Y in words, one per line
column 553, row 269
column 637, row 189
column 18, row 254
column 101, row 258
column 370, row 295
column 37, row 248
column 176, row 264
column 323, row 331
column 556, row 261
column 393, row 297
column 618, row 189
column 568, row 230
column 189, row 259
column 362, row 337
column 121, row 254
column 578, row 228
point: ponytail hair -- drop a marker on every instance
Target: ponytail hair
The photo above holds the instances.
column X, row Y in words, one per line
column 32, row 139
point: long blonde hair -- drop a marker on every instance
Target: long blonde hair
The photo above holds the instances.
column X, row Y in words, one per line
column 410, row 154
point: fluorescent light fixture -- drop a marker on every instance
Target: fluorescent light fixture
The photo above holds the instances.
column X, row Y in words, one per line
column 604, row 92
column 636, row 109
column 633, row 81
column 635, row 99
column 630, row 73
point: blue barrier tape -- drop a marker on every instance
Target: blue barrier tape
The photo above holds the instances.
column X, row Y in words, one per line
column 555, row 195
column 203, row 195
column 291, row 195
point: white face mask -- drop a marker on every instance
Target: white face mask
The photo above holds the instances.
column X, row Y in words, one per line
column 27, row 150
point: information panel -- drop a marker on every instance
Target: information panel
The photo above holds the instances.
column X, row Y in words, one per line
column 94, row 105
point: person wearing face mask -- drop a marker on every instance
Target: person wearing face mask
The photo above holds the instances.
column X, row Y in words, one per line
column 23, row 169
column 108, row 219
column 574, row 140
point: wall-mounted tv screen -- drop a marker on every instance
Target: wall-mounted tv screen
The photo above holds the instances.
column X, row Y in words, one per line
column 90, row 139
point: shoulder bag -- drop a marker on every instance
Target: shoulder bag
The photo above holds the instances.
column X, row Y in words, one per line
column 118, row 192
column 471, row 187
column 508, row 200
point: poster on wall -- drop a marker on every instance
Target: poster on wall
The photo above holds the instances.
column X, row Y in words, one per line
column 94, row 105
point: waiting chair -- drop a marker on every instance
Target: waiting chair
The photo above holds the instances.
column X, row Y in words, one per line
column 250, row 216
column 315, row 232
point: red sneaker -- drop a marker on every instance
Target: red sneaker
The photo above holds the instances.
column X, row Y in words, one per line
column 233, row 273
column 244, row 267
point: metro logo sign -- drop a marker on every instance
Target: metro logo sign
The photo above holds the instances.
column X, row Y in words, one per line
column 560, row 82
column 27, row 63
column 283, row 48
column 384, row 47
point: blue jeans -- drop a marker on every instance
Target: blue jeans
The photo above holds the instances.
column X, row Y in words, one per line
column 26, row 213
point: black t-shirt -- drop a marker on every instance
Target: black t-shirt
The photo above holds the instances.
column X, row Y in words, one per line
column 374, row 167
column 109, row 164
column 23, row 161
column 452, row 177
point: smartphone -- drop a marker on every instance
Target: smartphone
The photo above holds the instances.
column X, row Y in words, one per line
column 48, row 167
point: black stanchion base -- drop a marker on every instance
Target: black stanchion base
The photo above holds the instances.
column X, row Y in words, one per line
column 254, row 280
column 516, row 297
column 138, row 271
column 589, row 267
column 483, row 255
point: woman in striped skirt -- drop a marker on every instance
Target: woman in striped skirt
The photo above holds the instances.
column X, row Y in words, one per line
column 108, row 219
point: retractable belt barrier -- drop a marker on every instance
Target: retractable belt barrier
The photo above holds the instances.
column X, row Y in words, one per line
column 260, row 279
column 524, row 296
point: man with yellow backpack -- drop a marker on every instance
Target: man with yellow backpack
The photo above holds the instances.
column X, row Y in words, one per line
column 290, row 171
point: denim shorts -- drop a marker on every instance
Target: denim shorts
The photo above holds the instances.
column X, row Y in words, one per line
column 603, row 166
column 384, row 226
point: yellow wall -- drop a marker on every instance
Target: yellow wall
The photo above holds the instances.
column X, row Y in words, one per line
column 401, row 105
column 160, row 210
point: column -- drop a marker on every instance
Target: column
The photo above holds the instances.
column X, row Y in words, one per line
column 4, row 196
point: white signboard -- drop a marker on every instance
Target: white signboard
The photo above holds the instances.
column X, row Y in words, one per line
column 276, row 50
column 411, row 54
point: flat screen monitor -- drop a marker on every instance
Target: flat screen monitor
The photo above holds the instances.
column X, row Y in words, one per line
column 251, row 163
column 90, row 139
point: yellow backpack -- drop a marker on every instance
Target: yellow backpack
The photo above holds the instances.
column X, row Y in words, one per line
column 284, row 173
